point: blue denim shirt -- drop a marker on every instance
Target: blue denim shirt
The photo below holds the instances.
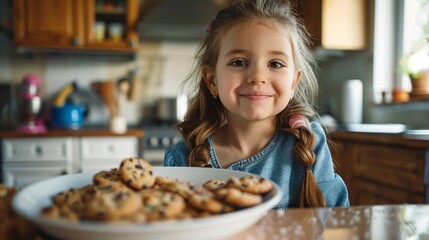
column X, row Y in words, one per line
column 277, row 162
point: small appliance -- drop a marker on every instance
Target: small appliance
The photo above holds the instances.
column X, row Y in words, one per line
column 31, row 105
column 65, row 112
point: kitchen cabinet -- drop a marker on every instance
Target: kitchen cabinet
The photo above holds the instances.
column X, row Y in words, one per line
column 28, row 159
column 48, row 23
column 71, row 24
column 382, row 168
column 120, row 13
column 102, row 153
column 336, row 24
column 311, row 13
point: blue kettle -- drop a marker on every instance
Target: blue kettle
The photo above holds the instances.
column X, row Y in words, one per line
column 68, row 116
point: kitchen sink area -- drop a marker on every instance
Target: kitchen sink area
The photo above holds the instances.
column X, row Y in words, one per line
column 374, row 128
column 389, row 128
column 419, row 132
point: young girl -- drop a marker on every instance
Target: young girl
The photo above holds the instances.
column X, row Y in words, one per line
column 253, row 104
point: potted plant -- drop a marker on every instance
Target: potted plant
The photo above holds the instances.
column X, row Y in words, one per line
column 416, row 66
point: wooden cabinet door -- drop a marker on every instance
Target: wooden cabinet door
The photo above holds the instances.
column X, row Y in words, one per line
column 311, row 13
column 48, row 23
column 122, row 12
column 380, row 173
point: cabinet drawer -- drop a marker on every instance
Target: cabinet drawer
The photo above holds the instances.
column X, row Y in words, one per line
column 37, row 149
column 369, row 193
column 402, row 168
column 110, row 148
column 24, row 176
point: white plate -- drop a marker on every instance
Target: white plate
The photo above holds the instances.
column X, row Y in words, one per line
column 30, row 200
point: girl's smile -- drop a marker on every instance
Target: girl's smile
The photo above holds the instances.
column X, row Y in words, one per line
column 256, row 95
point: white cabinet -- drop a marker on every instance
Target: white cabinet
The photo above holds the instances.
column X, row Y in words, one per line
column 36, row 149
column 100, row 153
column 30, row 159
column 20, row 176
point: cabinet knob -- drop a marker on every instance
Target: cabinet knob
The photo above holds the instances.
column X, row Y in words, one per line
column 153, row 142
column 165, row 142
column 39, row 150
column 75, row 40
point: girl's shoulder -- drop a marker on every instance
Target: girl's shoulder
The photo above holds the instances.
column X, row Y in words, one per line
column 317, row 128
column 176, row 155
column 180, row 146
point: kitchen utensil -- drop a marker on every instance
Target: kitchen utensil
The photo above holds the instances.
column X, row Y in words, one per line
column 31, row 105
column 134, row 85
column 123, row 88
column 118, row 124
column 96, row 112
column 33, row 198
column 107, row 91
column 61, row 97
column 68, row 116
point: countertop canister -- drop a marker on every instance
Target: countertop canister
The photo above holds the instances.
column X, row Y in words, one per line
column 352, row 101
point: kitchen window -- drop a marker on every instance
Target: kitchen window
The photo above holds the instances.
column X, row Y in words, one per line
column 400, row 27
column 415, row 35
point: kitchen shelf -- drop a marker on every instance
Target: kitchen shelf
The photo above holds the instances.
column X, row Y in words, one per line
column 412, row 104
column 72, row 133
column 116, row 11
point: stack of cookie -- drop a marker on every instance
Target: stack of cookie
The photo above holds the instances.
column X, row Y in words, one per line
column 133, row 193
column 13, row 226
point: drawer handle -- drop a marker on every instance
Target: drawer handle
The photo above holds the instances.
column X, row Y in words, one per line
column 39, row 150
column 111, row 148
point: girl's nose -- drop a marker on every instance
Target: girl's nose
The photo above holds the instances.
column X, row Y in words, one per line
column 257, row 76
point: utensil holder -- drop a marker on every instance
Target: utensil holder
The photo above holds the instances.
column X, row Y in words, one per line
column 118, row 124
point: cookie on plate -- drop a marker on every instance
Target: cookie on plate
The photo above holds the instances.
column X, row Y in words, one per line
column 160, row 205
column 60, row 212
column 107, row 204
column 214, row 184
column 71, row 198
column 136, row 173
column 106, row 178
column 209, row 203
column 182, row 188
column 238, row 198
column 162, row 181
column 191, row 212
column 250, row 184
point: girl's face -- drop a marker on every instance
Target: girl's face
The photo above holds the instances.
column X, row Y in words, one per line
column 255, row 75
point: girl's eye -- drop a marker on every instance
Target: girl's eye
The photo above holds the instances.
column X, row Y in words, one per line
column 275, row 65
column 239, row 63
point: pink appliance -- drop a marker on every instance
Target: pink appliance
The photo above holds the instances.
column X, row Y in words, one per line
column 30, row 105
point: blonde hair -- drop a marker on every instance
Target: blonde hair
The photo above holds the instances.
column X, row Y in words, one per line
column 207, row 114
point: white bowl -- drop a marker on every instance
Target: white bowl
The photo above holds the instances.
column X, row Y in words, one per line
column 30, row 200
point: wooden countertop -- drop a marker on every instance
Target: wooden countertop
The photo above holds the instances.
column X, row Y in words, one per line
column 73, row 133
column 393, row 139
